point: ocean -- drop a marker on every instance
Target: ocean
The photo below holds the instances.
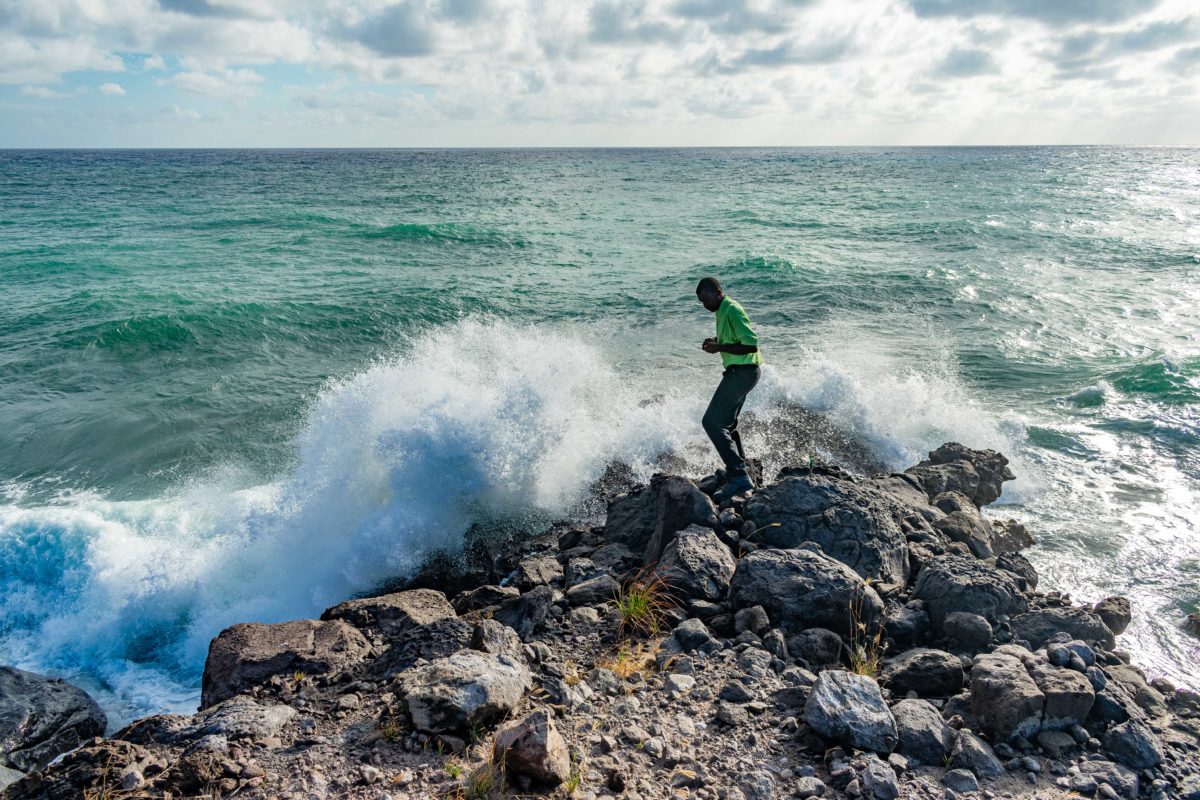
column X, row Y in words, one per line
column 245, row 385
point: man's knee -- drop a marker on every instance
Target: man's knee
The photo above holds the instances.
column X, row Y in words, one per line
column 712, row 423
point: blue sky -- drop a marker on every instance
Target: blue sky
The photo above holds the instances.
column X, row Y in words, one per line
column 267, row 73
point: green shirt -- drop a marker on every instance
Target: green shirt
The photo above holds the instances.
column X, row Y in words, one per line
column 733, row 327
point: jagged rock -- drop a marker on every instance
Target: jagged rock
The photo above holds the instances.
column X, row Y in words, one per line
column 526, row 613
column 494, row 637
column 969, row 631
column 804, row 588
column 696, row 565
column 952, row 583
column 533, row 747
column 435, row 640
column 645, row 519
column 538, row 571
column 1068, row 695
column 582, row 569
column 246, row 655
column 240, row 716
column 1122, row 779
column 41, row 717
column 818, row 647
column 483, row 597
column 1010, row 537
column 849, row 708
column 1005, row 700
column 394, row 614
column 1148, row 699
column 971, row 752
column 967, row 527
column 929, row 673
column 1133, row 744
column 879, row 779
column 851, row 521
column 467, row 687
column 1041, row 624
column 1114, row 703
column 907, row 625
column 691, row 635
column 601, row 589
column 91, row 770
column 923, row 734
column 977, row 474
column 1020, row 568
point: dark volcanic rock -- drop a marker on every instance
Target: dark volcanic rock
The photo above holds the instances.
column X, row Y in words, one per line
column 1019, row 567
column 464, row 688
column 435, row 640
column 1133, row 744
column 967, row 527
column 1005, row 700
column 923, row 734
column 645, row 520
column 803, row 588
column 978, row 474
column 1115, row 612
column 971, row 752
column 818, row 647
column 852, row 521
column 696, row 565
column 907, row 624
column 1037, row 626
column 41, row 717
column 247, row 654
column 533, row 747
column 526, row 613
column 393, row 614
column 1068, row 695
column 849, row 708
column 929, row 673
column 968, row 631
column 952, row 583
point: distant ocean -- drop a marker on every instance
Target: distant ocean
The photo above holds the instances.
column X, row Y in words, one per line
column 245, row 385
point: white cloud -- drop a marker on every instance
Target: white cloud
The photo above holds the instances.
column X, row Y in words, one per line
column 42, row 92
column 154, row 63
column 229, row 83
column 112, row 89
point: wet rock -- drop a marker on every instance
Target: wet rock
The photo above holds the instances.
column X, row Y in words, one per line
column 804, row 588
column 533, row 747
column 41, row 717
column 646, row 519
column 696, row 565
column 977, row 474
column 1133, row 744
column 1036, row 627
column 971, row 752
column 968, row 631
column 852, row 521
column 1020, row 568
column 849, row 708
column 952, row 583
column 393, row 614
column 246, row 655
column 1005, row 700
column 1115, row 612
column 467, row 687
column 929, row 673
column 922, row 733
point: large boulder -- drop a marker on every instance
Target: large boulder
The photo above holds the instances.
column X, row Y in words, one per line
column 239, row 717
column 967, row 527
column 978, row 474
column 1148, row 699
column 849, row 708
column 41, row 717
column 1039, row 625
column 923, row 735
column 525, row 614
column 247, row 654
column 645, row 519
column 929, row 673
column 1068, row 695
column 950, row 583
column 697, row 565
column 1115, row 612
column 1133, row 744
column 394, row 614
column 804, row 588
column 852, row 521
column 1005, row 700
column 423, row 643
column 1120, row 778
column 461, row 689
column 534, row 748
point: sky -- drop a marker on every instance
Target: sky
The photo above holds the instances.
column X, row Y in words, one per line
column 544, row 73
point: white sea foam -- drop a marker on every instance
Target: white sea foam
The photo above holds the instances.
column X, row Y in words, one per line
column 478, row 421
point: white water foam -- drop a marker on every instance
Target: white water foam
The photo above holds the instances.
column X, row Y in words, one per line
column 480, row 420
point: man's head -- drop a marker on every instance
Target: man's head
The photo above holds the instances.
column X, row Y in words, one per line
column 710, row 293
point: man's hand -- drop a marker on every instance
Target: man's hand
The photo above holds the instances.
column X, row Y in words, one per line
column 710, row 346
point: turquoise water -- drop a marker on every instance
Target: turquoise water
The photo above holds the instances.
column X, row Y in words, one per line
column 240, row 385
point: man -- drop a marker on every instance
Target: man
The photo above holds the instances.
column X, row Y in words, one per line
column 737, row 343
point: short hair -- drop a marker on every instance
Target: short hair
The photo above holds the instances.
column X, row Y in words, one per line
column 708, row 284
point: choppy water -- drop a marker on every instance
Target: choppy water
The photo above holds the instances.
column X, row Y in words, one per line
column 243, row 385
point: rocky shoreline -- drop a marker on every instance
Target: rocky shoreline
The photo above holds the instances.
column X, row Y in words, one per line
column 830, row 635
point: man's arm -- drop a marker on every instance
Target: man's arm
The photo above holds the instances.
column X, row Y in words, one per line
column 736, row 349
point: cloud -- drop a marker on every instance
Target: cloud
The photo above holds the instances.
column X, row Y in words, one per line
column 400, row 30
column 111, row 89
column 1090, row 54
column 624, row 22
column 42, row 92
column 823, row 50
column 1050, row 12
column 967, row 63
column 153, row 63
column 732, row 16
column 209, row 8
column 231, row 84
column 1185, row 61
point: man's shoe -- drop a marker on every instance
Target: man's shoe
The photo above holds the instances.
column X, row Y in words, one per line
column 735, row 486
column 711, row 483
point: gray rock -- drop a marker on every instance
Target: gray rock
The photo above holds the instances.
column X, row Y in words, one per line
column 732, row 714
column 849, row 708
column 1056, row 743
column 960, row 781
column 10, row 776
column 1008, row 538
column 753, row 619
column 907, row 624
column 393, row 614
column 600, row 589
column 41, row 717
column 469, row 686
column 533, row 747
column 971, row 752
column 240, row 717
column 967, row 527
column 1133, row 744
column 697, row 565
column 852, row 521
column 878, row 779
column 538, row 571
column 1005, row 700
column 818, row 647
column 1020, row 568
column 1068, row 695
column 1036, row 627
column 1115, row 612
column 808, row 786
column 952, row 583
column 492, row 636
column 1122, row 779
column 1148, row 699
column 646, row 519
column 581, row 569
column 692, row 635
column 977, row 474
column 923, row 734
column 804, row 588
column 525, row 614
column 483, row 597
column 929, row 673
column 247, row 654
column 968, row 631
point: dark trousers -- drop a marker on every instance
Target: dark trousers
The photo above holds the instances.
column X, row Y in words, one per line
column 721, row 418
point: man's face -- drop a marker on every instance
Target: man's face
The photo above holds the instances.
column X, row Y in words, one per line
column 710, row 299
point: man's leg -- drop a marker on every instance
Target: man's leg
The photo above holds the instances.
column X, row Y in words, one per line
column 720, row 420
